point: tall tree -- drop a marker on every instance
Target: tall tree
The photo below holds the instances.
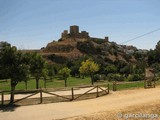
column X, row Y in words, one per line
column 45, row 74
column 51, row 71
column 65, row 72
column 37, row 64
column 89, row 67
column 11, row 60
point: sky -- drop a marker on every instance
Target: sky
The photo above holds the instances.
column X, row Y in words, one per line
column 31, row 24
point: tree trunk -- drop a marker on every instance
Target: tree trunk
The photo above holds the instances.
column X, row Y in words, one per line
column 83, row 76
column 12, row 94
column 92, row 81
column 65, row 82
column 37, row 83
column 44, row 82
column 26, row 85
column 79, row 76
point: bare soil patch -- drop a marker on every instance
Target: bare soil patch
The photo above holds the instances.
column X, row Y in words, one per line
column 101, row 108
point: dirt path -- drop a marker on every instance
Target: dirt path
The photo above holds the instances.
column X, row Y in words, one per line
column 113, row 101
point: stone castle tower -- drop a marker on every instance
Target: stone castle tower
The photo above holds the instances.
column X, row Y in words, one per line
column 74, row 32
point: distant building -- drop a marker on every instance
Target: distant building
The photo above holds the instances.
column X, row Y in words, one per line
column 106, row 39
column 74, row 32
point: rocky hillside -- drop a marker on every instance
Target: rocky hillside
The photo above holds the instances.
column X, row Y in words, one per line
column 74, row 45
column 73, row 48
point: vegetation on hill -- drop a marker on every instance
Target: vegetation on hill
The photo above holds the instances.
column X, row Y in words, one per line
column 101, row 60
column 116, row 62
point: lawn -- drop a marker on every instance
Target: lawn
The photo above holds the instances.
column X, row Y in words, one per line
column 54, row 83
column 72, row 81
column 122, row 86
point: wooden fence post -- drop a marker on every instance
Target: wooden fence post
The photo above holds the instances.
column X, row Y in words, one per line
column 154, row 83
column 41, row 97
column 97, row 92
column 145, row 83
column 114, row 86
column 2, row 98
column 72, row 93
column 108, row 88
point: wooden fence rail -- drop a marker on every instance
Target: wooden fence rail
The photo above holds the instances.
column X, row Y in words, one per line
column 41, row 91
column 84, row 93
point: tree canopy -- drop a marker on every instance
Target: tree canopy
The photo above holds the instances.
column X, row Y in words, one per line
column 13, row 66
column 37, row 66
column 89, row 67
column 65, row 72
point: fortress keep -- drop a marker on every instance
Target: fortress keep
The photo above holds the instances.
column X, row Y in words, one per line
column 74, row 33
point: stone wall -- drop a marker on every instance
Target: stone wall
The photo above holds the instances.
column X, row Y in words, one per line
column 74, row 33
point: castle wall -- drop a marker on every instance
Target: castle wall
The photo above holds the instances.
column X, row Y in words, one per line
column 84, row 34
column 106, row 39
column 64, row 34
column 74, row 30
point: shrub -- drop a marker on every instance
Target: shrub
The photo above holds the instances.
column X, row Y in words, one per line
column 88, row 48
column 96, row 77
column 117, row 77
column 135, row 77
column 103, row 77
column 57, row 59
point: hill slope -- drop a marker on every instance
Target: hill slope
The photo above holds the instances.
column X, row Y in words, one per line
column 73, row 48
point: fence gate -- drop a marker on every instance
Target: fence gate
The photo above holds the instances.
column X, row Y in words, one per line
column 149, row 81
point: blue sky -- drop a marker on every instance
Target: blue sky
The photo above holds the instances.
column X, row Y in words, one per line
column 31, row 24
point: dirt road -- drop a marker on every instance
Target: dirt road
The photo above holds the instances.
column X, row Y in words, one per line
column 113, row 101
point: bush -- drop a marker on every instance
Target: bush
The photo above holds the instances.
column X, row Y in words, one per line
column 103, row 77
column 57, row 59
column 88, row 48
column 135, row 77
column 117, row 77
column 96, row 77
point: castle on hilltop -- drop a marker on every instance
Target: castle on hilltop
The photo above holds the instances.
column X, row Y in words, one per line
column 74, row 33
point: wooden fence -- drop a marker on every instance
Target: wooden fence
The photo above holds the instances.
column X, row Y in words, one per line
column 96, row 90
column 149, row 83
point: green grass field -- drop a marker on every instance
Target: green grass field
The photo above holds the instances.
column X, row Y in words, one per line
column 72, row 81
column 54, row 83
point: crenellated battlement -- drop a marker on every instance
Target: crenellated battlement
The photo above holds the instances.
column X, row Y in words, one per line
column 74, row 32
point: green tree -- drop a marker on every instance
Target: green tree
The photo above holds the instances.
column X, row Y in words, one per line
column 65, row 72
column 75, row 70
column 27, row 57
column 51, row 72
column 37, row 66
column 126, row 70
column 13, row 66
column 45, row 75
column 89, row 67
column 110, row 69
